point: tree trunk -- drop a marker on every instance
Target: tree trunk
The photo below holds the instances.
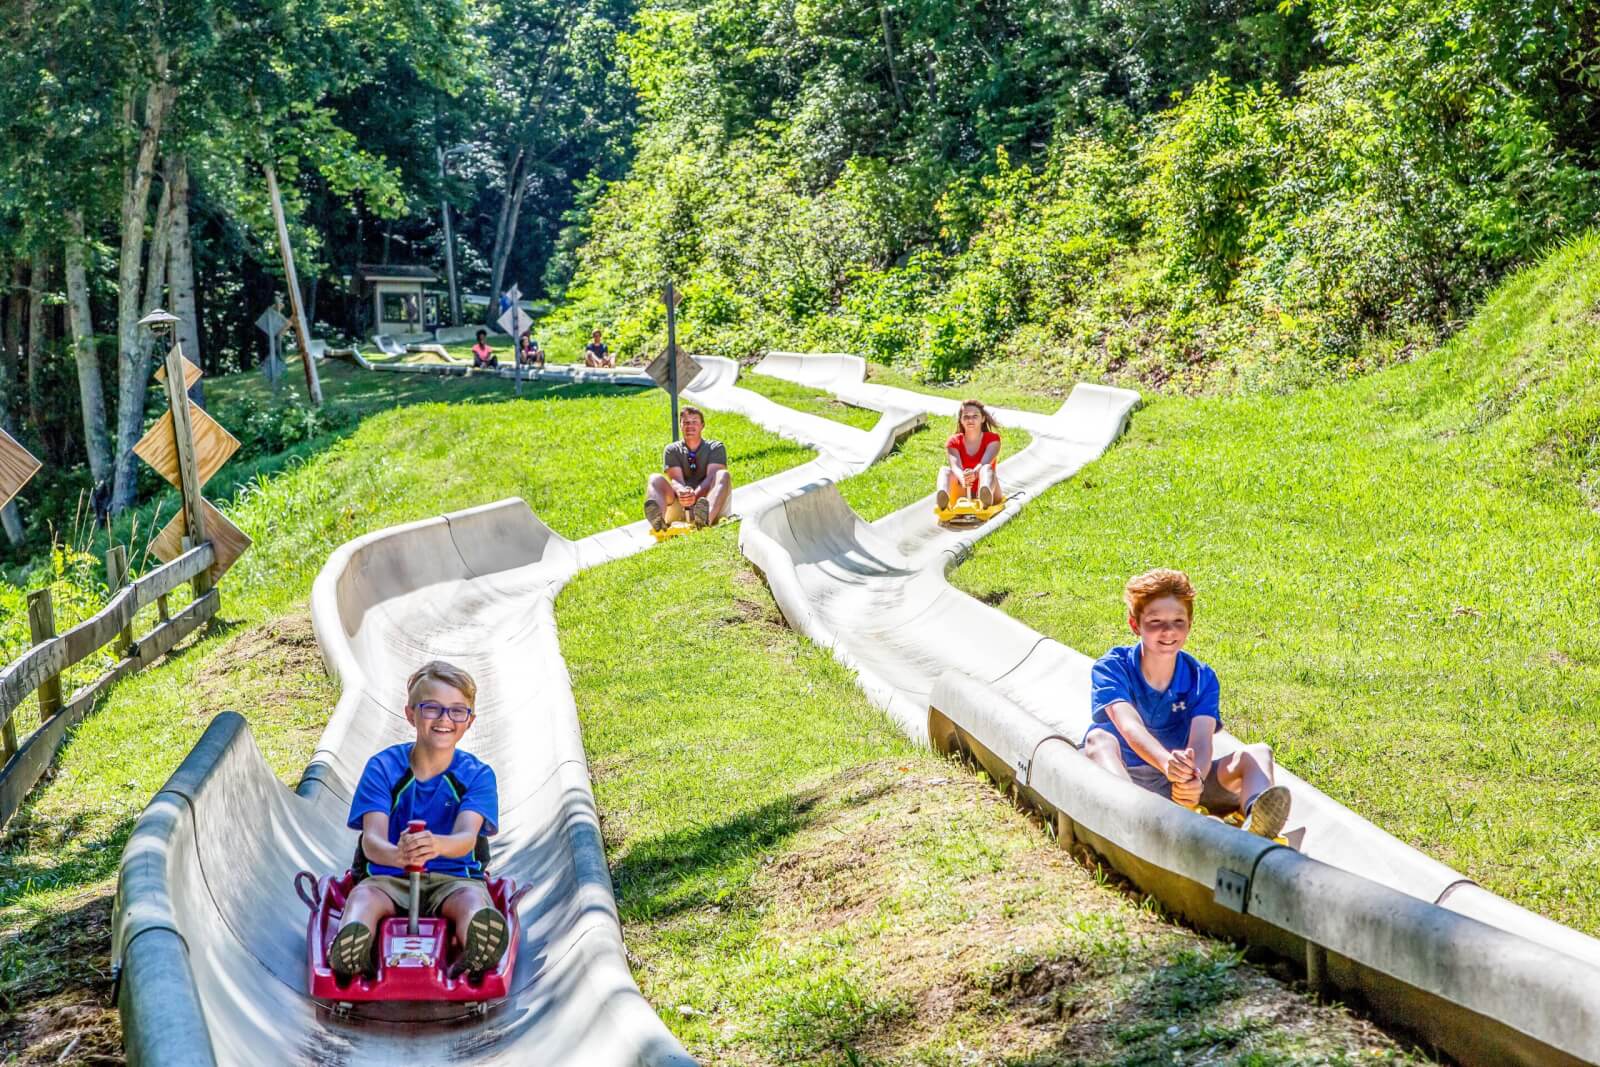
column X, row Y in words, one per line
column 505, row 232
column 182, row 269
column 133, row 360
column 10, row 354
column 35, row 344
column 91, row 395
column 888, row 51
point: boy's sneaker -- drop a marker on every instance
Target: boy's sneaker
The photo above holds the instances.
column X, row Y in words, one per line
column 351, row 951
column 486, row 941
column 652, row 515
column 1269, row 811
column 700, row 514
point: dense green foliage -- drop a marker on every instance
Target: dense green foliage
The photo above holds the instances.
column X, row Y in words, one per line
column 1210, row 196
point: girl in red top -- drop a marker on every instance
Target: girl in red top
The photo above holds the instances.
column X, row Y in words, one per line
column 973, row 449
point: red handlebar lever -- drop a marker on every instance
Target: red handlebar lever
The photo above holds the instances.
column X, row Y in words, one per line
column 413, row 827
column 415, row 871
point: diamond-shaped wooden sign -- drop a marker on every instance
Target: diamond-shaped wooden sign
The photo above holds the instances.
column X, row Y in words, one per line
column 212, row 446
column 227, row 540
column 688, row 368
column 191, row 374
column 17, row 465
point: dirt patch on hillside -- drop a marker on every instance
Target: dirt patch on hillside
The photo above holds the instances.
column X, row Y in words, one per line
column 56, row 1007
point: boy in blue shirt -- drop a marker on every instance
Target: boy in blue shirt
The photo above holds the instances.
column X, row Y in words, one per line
column 1156, row 711
column 455, row 794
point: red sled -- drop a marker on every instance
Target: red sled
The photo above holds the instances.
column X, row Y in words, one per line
column 407, row 967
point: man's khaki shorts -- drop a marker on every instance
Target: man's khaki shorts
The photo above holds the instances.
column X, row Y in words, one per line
column 435, row 890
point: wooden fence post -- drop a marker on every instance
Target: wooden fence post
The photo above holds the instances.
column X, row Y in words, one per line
column 8, row 739
column 42, row 627
column 117, row 579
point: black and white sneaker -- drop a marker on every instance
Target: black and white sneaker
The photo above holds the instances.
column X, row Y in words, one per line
column 1269, row 811
column 486, row 941
column 351, row 951
column 652, row 515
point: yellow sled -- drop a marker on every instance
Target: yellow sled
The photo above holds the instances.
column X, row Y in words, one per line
column 676, row 529
column 968, row 510
column 1234, row 819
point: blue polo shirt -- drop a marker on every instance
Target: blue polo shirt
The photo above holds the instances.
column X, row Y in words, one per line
column 1194, row 692
column 387, row 785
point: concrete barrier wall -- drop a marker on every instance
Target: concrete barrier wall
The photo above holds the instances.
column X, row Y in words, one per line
column 1482, row 994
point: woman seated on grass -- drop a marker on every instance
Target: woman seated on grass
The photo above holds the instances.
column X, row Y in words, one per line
column 974, row 449
column 1156, row 714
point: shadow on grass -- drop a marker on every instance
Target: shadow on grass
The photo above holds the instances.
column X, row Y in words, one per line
column 52, row 857
column 692, row 868
column 68, row 948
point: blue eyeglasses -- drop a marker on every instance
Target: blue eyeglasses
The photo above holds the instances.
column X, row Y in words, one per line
column 430, row 709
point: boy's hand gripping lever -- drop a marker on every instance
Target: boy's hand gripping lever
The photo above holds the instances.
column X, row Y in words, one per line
column 415, row 826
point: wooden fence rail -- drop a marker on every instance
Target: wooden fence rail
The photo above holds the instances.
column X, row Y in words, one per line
column 40, row 668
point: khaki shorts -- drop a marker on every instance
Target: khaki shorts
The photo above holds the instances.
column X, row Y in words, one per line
column 1214, row 796
column 435, row 890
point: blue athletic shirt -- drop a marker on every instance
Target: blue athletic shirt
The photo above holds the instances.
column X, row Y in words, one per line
column 436, row 801
column 1194, row 692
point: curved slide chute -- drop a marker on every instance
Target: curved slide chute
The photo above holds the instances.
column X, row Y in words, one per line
column 209, row 934
column 1490, row 981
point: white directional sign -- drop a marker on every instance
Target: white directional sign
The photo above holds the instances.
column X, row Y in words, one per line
column 514, row 321
column 272, row 322
column 688, row 369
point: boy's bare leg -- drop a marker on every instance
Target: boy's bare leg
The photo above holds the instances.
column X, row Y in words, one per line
column 721, row 491
column 367, row 906
column 364, row 912
column 481, row 929
column 1246, row 773
column 459, row 907
column 1103, row 749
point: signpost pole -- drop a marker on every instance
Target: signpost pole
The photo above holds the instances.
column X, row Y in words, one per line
column 297, row 311
column 671, row 299
column 188, row 470
column 514, row 322
column 272, row 359
column 516, row 341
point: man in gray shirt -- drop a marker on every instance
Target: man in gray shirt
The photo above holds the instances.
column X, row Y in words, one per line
column 696, row 482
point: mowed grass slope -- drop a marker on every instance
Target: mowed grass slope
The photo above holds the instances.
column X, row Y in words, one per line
column 797, row 884
column 1397, row 580
column 574, row 453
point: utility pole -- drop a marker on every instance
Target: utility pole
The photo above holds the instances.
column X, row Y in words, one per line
column 297, row 311
column 670, row 298
column 449, row 243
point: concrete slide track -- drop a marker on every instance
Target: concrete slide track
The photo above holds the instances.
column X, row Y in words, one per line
column 1489, row 981
column 209, row 935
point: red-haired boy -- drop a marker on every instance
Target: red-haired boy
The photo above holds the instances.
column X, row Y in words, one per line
column 1156, row 712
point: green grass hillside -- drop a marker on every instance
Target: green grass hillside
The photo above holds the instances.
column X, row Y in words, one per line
column 1397, row 580
column 797, row 883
